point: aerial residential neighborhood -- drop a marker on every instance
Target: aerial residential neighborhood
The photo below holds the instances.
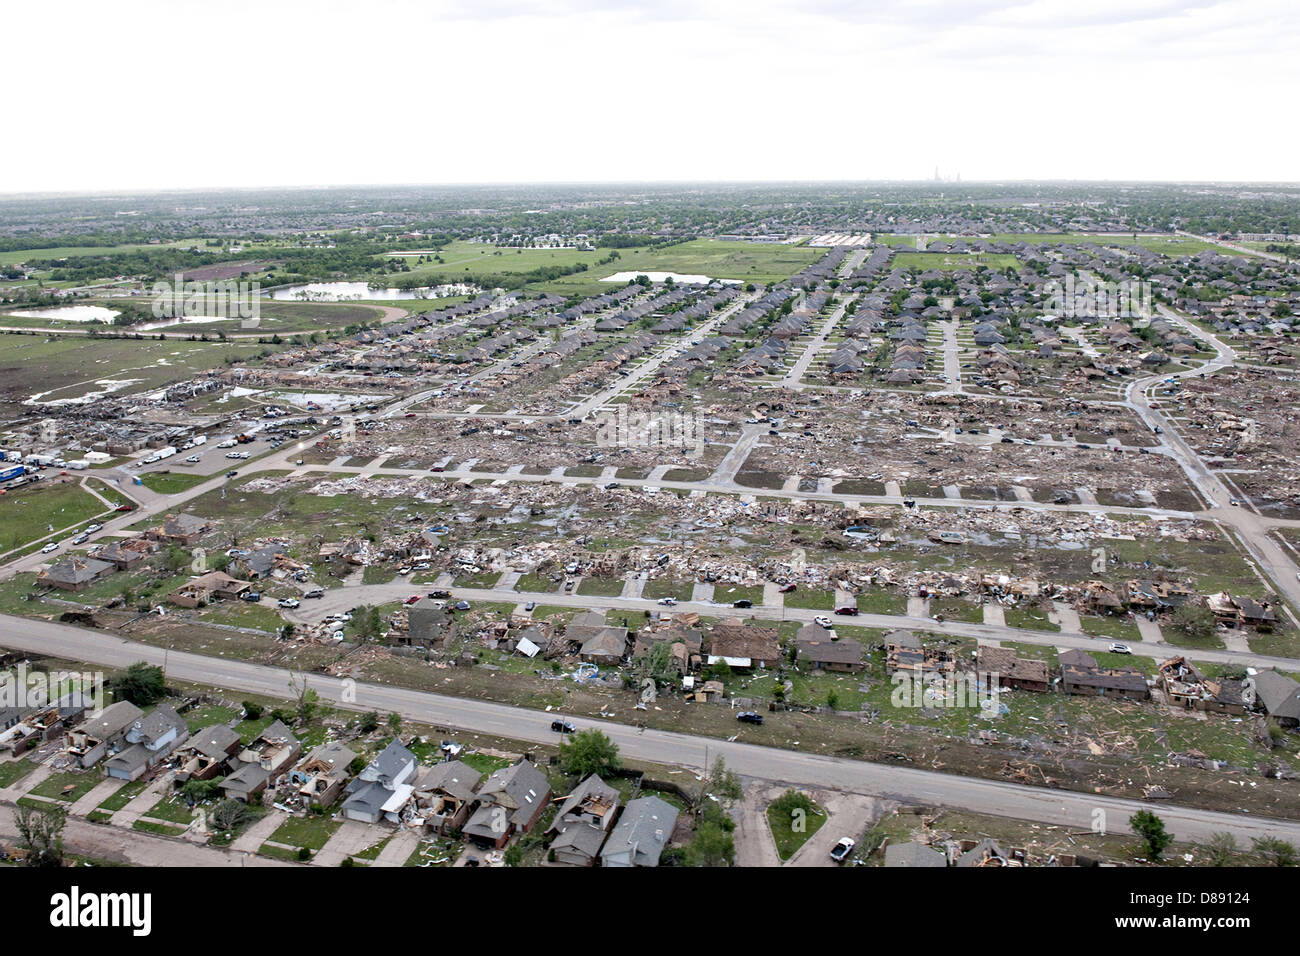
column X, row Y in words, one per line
column 830, row 477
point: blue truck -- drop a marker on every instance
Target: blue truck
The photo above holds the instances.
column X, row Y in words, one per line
column 16, row 471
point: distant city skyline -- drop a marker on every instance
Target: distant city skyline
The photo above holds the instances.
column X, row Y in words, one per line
column 182, row 95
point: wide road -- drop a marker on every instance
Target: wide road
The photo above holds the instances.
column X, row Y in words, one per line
column 906, row 784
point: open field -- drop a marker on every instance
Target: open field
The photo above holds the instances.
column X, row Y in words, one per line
column 68, row 369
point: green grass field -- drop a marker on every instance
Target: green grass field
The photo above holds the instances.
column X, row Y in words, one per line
column 75, row 366
column 26, row 513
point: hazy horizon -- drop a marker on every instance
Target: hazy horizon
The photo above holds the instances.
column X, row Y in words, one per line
column 584, row 91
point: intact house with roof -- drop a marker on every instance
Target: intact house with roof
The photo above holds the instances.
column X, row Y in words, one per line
column 322, row 774
column 583, row 821
column 96, row 737
column 641, row 834
column 1081, row 674
column 743, row 646
column 595, row 641
column 262, row 763
column 382, row 790
column 1000, row 665
column 206, row 754
column 1277, row 695
column 429, row 626
column 151, row 738
column 510, row 801
column 444, row 796
column 820, row 649
column 74, row 573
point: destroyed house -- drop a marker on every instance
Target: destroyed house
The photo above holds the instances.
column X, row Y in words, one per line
column 510, row 801
column 262, row 762
column 743, row 645
column 582, row 821
column 1185, row 686
column 206, row 754
column 321, row 775
column 182, row 529
column 383, row 788
column 906, row 652
column 1241, row 611
column 95, row 737
column 215, row 585
column 22, row 728
column 125, row 555
column 1157, row 595
column 444, row 796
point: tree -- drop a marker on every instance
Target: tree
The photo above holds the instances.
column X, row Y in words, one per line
column 712, row 846
column 142, row 684
column 252, row 710
column 657, row 664
column 1275, row 851
column 1194, row 620
column 228, row 815
column 1221, row 849
column 1151, row 829
column 40, row 832
column 395, row 722
column 368, row 723
column 722, row 783
column 588, row 752
column 196, row 791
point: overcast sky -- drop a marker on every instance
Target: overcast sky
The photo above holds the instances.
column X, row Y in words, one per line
column 296, row 92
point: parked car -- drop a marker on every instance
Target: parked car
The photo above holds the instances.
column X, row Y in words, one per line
column 93, row 527
column 743, row 602
column 440, row 594
column 231, row 474
column 749, row 717
column 290, row 603
column 52, row 546
column 563, row 727
column 125, row 508
column 413, row 599
column 315, row 593
column 1120, row 649
column 252, row 597
column 788, row 588
column 193, row 459
column 848, row 610
column 530, row 605
column 668, row 601
column 823, row 621
column 462, row 605
column 841, row 850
